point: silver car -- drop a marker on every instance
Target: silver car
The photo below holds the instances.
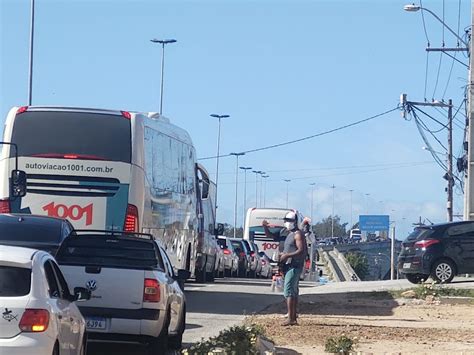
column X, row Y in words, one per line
column 230, row 258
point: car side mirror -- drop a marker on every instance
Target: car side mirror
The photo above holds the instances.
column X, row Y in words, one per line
column 81, row 294
column 219, row 230
column 18, row 183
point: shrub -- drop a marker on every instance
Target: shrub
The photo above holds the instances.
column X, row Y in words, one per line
column 359, row 263
column 235, row 340
column 341, row 345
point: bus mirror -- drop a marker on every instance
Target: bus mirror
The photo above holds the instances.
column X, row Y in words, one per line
column 251, row 235
column 220, row 229
column 18, row 183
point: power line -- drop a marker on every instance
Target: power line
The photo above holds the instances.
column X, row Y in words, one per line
column 309, row 137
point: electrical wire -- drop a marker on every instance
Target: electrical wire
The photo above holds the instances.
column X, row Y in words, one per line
column 309, row 137
column 426, row 73
column 437, row 75
column 424, row 24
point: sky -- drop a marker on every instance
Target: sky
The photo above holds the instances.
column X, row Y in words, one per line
column 283, row 70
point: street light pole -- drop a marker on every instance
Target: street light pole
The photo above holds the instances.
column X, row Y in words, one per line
column 245, row 168
column 219, row 117
column 352, row 225
column 162, row 42
column 312, row 197
column 265, row 189
column 332, row 216
column 287, row 181
column 30, row 72
column 237, row 155
column 260, row 199
column 367, row 204
column 256, row 185
column 414, row 8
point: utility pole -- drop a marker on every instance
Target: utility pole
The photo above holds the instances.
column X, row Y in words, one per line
column 237, row 155
column 469, row 194
column 245, row 168
column 332, row 216
column 287, row 181
column 408, row 107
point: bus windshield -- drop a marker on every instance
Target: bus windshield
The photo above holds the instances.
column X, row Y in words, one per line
column 69, row 135
column 258, row 231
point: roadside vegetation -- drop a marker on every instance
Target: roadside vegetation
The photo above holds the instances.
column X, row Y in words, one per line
column 234, row 340
column 340, row 345
column 422, row 291
column 359, row 263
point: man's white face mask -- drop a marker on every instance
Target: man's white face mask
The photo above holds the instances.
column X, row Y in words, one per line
column 289, row 225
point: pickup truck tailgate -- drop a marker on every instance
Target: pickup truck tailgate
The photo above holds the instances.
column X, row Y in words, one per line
column 110, row 288
column 113, row 268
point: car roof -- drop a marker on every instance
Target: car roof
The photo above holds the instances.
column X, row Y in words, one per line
column 17, row 255
column 444, row 224
column 14, row 218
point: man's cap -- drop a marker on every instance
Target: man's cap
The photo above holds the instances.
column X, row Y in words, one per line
column 290, row 217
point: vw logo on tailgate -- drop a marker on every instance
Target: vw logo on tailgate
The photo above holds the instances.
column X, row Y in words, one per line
column 91, row 285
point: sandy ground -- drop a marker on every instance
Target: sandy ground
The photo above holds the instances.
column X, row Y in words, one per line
column 381, row 324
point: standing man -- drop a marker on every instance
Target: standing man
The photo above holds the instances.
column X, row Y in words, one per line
column 292, row 259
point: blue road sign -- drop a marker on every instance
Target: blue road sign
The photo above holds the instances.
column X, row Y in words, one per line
column 374, row 223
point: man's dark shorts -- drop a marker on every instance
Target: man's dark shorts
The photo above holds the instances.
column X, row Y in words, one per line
column 292, row 279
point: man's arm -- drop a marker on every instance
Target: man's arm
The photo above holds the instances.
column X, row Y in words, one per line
column 267, row 231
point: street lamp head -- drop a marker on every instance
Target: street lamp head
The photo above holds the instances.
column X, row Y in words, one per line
column 245, row 167
column 237, row 154
column 411, row 8
column 215, row 115
column 163, row 41
column 286, row 180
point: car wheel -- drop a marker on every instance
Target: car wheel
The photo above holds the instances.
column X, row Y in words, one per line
column 443, row 271
column 175, row 342
column 416, row 278
column 210, row 276
column 200, row 276
column 56, row 348
column 159, row 345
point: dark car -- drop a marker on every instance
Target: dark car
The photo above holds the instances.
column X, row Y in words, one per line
column 38, row 232
column 243, row 252
column 440, row 251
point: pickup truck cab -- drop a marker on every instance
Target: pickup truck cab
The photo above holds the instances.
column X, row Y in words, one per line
column 135, row 297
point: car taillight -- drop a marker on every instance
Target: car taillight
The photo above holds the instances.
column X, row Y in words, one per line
column 252, row 253
column 131, row 219
column 34, row 320
column 423, row 244
column 126, row 114
column 4, row 206
column 21, row 110
column 226, row 251
column 263, row 262
column 242, row 253
column 151, row 291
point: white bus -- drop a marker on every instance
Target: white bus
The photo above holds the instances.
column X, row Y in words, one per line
column 253, row 230
column 113, row 170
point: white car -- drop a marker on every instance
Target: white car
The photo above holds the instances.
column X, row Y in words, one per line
column 38, row 313
column 230, row 258
column 136, row 297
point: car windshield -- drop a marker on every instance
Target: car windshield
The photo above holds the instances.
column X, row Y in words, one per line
column 419, row 234
column 24, row 233
column 109, row 252
column 14, row 281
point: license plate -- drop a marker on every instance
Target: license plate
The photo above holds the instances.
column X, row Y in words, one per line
column 406, row 265
column 95, row 323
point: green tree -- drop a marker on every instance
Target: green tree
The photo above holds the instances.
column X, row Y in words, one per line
column 359, row 263
column 323, row 229
column 229, row 231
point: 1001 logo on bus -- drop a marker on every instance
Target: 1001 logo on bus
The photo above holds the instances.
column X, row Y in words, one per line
column 74, row 212
column 267, row 246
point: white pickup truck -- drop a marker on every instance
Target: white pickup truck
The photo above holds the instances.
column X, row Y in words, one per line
column 136, row 296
